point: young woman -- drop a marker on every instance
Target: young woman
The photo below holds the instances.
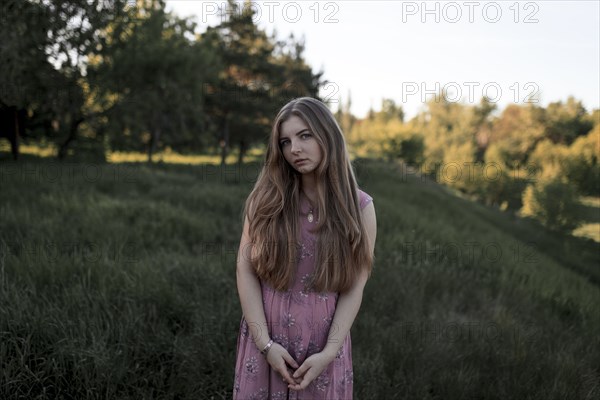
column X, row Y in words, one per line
column 305, row 255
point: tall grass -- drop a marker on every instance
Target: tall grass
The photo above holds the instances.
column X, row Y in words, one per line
column 118, row 281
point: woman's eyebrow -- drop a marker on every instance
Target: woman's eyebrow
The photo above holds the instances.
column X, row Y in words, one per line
column 296, row 134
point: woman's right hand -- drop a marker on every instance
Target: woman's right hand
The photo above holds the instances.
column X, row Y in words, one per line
column 279, row 359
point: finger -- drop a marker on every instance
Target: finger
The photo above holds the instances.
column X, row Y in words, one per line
column 301, row 370
column 286, row 376
column 288, row 358
column 298, row 378
column 307, row 379
column 291, row 372
column 300, row 386
column 296, row 386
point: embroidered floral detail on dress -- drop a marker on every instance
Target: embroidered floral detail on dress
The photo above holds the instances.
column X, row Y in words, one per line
column 298, row 298
column 236, row 384
column 279, row 396
column 262, row 394
column 306, row 287
column 282, row 340
column 321, row 382
column 339, row 356
column 323, row 296
column 251, row 367
column 304, row 251
column 305, row 280
column 244, row 332
column 313, row 348
column 297, row 347
column 288, row 320
column 346, row 382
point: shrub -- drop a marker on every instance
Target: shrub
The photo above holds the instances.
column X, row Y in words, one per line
column 553, row 203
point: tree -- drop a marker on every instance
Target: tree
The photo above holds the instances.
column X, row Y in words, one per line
column 45, row 51
column 389, row 110
column 443, row 124
column 583, row 163
column 32, row 90
column 150, row 79
column 412, row 149
column 565, row 122
column 518, row 130
column 482, row 126
column 76, row 32
column 578, row 164
column 344, row 115
column 259, row 75
column 549, row 160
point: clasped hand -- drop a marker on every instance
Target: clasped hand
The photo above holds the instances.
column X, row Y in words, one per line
column 279, row 359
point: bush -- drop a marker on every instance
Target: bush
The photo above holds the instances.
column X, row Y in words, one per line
column 582, row 167
column 553, row 203
column 410, row 149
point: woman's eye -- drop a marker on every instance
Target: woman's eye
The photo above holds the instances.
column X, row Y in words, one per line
column 283, row 143
column 306, row 135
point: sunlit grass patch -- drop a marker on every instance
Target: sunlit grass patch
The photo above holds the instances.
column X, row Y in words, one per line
column 591, row 231
column 167, row 156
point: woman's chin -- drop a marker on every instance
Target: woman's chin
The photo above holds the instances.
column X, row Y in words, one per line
column 304, row 169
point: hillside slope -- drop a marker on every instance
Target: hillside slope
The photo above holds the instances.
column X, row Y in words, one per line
column 118, row 281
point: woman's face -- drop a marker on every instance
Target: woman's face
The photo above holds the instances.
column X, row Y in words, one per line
column 299, row 145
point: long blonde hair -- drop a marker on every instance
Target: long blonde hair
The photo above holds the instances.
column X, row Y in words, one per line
column 272, row 208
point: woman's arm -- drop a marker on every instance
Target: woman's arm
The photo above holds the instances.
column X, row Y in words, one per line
column 251, row 300
column 349, row 302
column 250, row 292
column 346, row 310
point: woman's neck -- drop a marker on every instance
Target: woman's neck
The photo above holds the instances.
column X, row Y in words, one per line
column 309, row 187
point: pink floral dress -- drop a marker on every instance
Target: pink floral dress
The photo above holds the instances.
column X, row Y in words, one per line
column 299, row 320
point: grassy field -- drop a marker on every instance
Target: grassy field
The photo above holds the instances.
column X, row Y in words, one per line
column 117, row 281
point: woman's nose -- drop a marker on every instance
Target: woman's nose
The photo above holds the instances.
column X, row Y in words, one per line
column 295, row 147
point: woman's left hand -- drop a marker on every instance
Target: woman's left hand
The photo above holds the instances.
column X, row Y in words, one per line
column 309, row 370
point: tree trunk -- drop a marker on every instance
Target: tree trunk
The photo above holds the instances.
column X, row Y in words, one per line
column 225, row 140
column 154, row 137
column 14, row 143
column 62, row 152
column 243, row 149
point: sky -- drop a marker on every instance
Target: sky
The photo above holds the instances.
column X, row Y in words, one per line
column 511, row 51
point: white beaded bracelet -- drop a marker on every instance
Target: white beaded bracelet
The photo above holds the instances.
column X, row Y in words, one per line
column 267, row 347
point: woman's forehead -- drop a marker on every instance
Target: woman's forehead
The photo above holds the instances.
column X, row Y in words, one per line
column 291, row 126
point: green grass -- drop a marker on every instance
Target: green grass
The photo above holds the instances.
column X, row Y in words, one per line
column 118, row 281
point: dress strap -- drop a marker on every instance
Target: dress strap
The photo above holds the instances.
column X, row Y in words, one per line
column 365, row 198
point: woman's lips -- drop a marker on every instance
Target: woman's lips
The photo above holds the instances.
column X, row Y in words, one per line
column 298, row 162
